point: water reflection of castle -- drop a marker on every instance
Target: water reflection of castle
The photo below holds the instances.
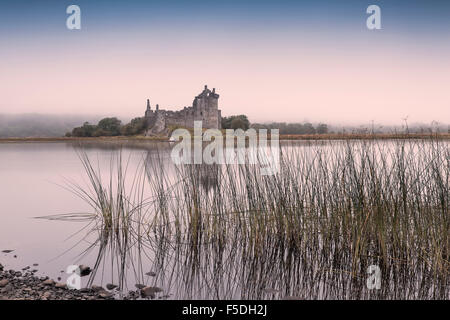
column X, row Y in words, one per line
column 204, row 175
column 208, row 175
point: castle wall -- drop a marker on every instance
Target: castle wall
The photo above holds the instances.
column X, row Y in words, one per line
column 204, row 108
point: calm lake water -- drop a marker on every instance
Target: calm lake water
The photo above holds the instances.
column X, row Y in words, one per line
column 34, row 179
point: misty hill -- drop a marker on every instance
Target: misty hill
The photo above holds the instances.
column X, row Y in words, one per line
column 40, row 125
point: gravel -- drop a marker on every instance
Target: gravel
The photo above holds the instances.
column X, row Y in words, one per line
column 26, row 286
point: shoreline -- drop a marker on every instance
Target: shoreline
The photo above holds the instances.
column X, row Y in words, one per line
column 288, row 137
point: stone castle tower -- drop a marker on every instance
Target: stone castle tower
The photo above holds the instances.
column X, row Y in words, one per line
column 204, row 108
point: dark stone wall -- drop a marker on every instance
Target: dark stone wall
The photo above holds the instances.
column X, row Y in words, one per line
column 204, row 108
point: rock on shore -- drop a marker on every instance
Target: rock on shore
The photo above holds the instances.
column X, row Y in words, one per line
column 26, row 286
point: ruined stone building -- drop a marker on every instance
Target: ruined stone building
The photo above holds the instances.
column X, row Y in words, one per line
column 204, row 108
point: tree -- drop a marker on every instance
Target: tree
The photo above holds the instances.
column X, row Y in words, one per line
column 109, row 126
column 309, row 129
column 101, row 133
column 86, row 130
column 322, row 128
column 236, row 122
column 136, row 126
column 106, row 127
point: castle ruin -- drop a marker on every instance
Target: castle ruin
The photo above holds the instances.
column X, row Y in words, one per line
column 204, row 108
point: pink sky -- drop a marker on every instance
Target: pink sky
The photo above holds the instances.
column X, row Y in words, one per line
column 314, row 80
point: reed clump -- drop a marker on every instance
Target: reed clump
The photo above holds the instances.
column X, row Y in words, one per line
column 310, row 231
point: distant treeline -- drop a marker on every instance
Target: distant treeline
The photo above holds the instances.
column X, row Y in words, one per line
column 321, row 128
column 42, row 125
column 241, row 122
column 293, row 128
column 114, row 127
column 109, row 127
